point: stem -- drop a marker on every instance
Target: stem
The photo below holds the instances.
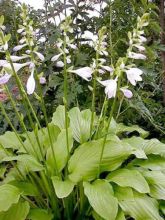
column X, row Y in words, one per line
column 65, row 97
column 110, row 30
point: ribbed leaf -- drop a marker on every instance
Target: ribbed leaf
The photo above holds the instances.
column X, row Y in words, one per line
column 10, row 140
column 129, row 178
column 8, row 195
column 80, row 124
column 60, row 151
column 62, row 188
column 18, row 211
column 84, row 163
column 138, row 206
column 59, row 117
column 101, row 198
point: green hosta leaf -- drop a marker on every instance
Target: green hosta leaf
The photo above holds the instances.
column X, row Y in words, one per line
column 59, row 117
column 60, row 151
column 10, row 140
column 153, row 163
column 101, row 198
column 121, row 128
column 1, row 20
column 29, row 163
column 152, row 146
column 129, row 178
column 80, row 124
column 27, row 188
column 84, row 163
column 17, row 211
column 156, row 179
column 62, row 188
column 138, row 206
column 8, row 195
column 39, row 214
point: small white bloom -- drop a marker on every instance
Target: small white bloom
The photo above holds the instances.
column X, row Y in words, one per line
column 105, row 53
column 5, row 47
column 73, row 46
column 142, row 39
column 19, row 31
column 17, row 66
column 127, row 93
column 17, row 58
column 4, row 79
column 23, row 40
column 101, row 71
column 110, row 87
column 107, row 68
column 30, row 86
column 56, row 57
column 19, row 47
column 42, row 80
column 28, row 51
column 84, row 72
column 122, row 65
column 68, row 60
column 66, row 51
column 141, row 48
column 3, row 62
column 134, row 75
column 40, row 56
column 59, row 64
column 136, row 56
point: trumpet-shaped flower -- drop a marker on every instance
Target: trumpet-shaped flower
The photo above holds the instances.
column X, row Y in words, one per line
column 4, row 79
column 19, row 47
column 59, row 64
column 137, row 56
column 110, row 87
column 84, row 72
column 17, row 58
column 17, row 66
column 127, row 93
column 72, row 46
column 134, row 75
column 30, row 86
column 40, row 56
column 107, row 68
column 56, row 57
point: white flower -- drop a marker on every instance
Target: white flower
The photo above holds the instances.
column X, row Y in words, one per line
column 84, row 72
column 59, row 64
column 40, row 56
column 56, row 57
column 68, row 60
column 19, row 31
column 66, row 51
column 73, row 46
column 134, row 75
column 142, row 39
column 110, row 87
column 19, row 47
column 136, row 56
column 30, row 86
column 23, row 40
column 17, row 66
column 3, row 62
column 107, row 68
column 17, row 58
column 42, row 80
column 141, row 48
column 127, row 93
column 5, row 47
column 4, row 79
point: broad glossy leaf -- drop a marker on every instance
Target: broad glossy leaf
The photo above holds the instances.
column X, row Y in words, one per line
column 39, row 214
column 8, row 195
column 138, row 206
column 120, row 215
column 80, row 124
column 129, row 178
column 59, row 117
column 29, row 163
column 17, row 211
column 152, row 146
column 60, row 151
column 10, row 140
column 62, row 188
column 101, row 198
column 84, row 163
column 27, row 188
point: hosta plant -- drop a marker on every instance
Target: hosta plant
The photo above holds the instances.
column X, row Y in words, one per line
column 81, row 165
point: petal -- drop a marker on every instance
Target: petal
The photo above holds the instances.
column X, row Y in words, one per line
column 4, row 79
column 42, row 80
column 127, row 93
column 19, row 47
column 55, row 58
column 30, row 84
column 40, row 56
column 59, row 64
